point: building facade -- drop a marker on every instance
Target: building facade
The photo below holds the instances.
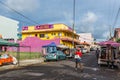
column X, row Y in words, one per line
column 117, row 33
column 86, row 41
column 52, row 31
column 8, row 27
column 86, row 37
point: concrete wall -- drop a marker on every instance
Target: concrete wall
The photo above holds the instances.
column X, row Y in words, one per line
column 8, row 27
column 87, row 37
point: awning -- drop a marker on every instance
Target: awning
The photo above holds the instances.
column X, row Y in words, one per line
column 84, row 43
column 62, row 46
column 111, row 43
column 7, row 43
column 52, row 44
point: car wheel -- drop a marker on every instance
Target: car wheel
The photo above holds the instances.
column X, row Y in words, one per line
column 14, row 62
column 46, row 60
column 65, row 58
column 58, row 58
column 99, row 65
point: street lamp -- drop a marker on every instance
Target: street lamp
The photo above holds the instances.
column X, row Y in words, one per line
column 73, row 21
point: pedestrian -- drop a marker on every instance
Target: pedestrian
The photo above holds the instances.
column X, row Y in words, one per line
column 78, row 55
column 97, row 53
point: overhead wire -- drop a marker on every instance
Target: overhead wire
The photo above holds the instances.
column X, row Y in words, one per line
column 16, row 18
column 112, row 17
column 21, row 20
column 109, row 12
column 18, row 13
column 113, row 11
column 109, row 17
column 116, row 18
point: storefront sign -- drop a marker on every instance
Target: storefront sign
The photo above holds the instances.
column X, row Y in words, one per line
column 25, row 28
column 43, row 27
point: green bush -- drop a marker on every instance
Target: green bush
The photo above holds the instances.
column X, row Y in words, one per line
column 118, row 40
column 26, row 55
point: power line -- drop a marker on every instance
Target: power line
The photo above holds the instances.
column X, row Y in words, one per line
column 113, row 10
column 111, row 15
column 19, row 13
column 116, row 18
column 17, row 19
column 21, row 21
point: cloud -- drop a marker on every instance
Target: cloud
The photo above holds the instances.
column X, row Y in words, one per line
column 68, row 17
column 106, row 34
column 101, row 31
column 23, row 5
column 87, row 23
column 90, row 17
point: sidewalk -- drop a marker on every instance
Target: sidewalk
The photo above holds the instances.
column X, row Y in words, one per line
column 22, row 64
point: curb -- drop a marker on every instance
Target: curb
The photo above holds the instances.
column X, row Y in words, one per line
column 22, row 63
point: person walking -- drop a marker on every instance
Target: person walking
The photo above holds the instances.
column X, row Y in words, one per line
column 97, row 53
column 78, row 55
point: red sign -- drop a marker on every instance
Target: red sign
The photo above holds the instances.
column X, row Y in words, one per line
column 43, row 27
column 25, row 28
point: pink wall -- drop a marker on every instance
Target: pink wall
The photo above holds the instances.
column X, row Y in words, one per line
column 35, row 44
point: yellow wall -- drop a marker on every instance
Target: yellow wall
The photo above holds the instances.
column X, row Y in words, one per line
column 69, row 44
column 50, row 34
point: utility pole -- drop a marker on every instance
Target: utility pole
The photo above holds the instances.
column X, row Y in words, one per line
column 110, row 30
column 73, row 22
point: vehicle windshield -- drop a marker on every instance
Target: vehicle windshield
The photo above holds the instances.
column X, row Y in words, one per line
column 51, row 49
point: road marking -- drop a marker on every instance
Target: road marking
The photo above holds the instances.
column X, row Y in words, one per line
column 34, row 74
column 91, row 68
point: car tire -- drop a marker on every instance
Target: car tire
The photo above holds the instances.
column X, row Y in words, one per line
column 65, row 58
column 58, row 58
column 46, row 60
column 99, row 65
column 15, row 61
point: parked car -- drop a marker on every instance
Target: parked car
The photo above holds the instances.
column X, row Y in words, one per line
column 69, row 52
column 92, row 49
column 84, row 50
column 56, row 55
column 8, row 60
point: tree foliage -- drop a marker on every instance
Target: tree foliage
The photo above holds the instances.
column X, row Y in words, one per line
column 118, row 40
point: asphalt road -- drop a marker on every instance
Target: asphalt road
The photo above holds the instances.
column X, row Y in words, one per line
column 63, row 70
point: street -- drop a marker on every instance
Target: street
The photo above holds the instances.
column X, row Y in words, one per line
column 63, row 70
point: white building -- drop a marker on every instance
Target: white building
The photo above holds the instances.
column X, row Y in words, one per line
column 8, row 27
column 86, row 37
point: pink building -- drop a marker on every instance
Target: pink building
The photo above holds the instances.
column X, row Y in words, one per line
column 34, row 44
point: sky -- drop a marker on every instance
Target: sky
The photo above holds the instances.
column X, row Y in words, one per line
column 91, row 16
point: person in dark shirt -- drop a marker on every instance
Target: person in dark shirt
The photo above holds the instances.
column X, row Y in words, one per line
column 97, row 53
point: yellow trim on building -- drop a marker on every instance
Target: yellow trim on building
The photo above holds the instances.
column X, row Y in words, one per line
column 47, row 32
